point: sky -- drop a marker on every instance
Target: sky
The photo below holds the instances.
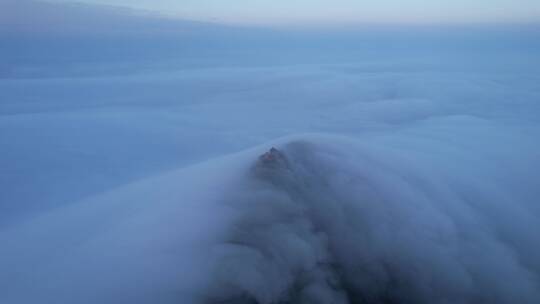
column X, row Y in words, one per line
column 340, row 11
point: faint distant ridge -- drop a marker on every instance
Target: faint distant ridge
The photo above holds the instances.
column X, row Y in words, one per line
column 42, row 18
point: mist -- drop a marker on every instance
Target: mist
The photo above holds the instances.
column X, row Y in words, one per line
column 146, row 159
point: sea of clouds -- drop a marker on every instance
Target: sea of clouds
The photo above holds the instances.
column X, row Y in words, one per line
column 406, row 168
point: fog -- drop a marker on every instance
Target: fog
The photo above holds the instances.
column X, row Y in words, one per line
column 133, row 165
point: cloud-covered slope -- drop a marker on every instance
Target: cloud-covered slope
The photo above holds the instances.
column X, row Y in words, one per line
column 325, row 219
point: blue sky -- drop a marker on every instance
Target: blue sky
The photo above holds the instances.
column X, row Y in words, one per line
column 340, row 11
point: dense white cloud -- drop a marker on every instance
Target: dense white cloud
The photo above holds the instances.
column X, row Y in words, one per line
column 405, row 216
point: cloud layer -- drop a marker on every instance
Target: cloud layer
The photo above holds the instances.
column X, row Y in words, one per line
column 328, row 220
